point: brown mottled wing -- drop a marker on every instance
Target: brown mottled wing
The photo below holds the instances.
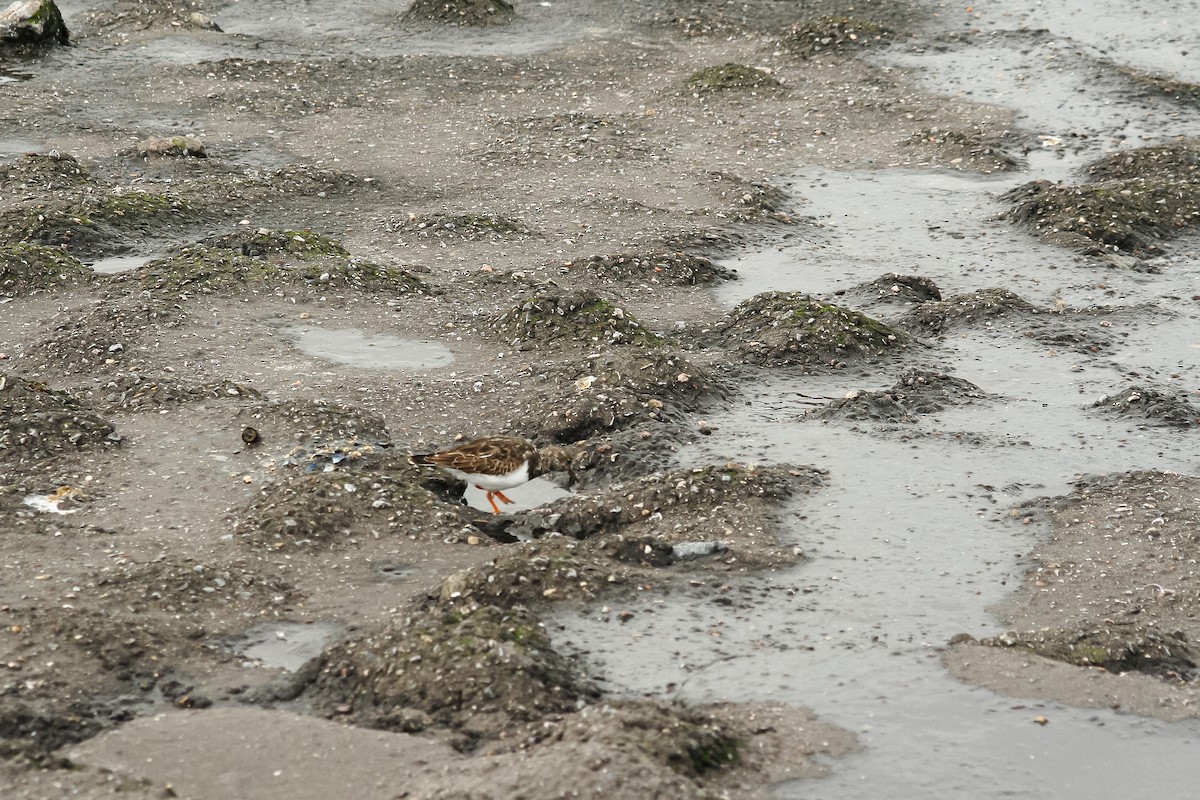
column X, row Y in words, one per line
column 491, row 455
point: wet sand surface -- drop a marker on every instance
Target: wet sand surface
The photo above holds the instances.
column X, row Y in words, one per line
column 945, row 547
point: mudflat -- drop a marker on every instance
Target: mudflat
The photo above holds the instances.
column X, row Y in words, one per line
column 252, row 256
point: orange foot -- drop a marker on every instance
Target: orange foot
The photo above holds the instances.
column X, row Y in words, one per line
column 490, row 498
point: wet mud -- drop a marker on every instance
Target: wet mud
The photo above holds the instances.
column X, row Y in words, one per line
column 879, row 373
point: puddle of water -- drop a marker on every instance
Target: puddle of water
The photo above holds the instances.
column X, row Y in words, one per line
column 354, row 348
column 287, row 645
column 536, row 492
column 115, row 264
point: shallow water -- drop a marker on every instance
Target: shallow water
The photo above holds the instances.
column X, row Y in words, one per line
column 287, row 645
column 115, row 264
column 911, row 541
column 354, row 348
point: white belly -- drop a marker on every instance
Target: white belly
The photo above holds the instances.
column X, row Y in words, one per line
column 492, row 483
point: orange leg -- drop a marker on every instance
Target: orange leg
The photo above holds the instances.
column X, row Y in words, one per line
column 495, row 508
column 502, row 496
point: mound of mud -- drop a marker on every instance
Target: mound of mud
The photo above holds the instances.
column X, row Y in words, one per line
column 752, row 200
column 266, row 261
column 680, row 492
column 132, row 392
column 915, row 394
column 581, row 318
column 960, row 310
column 667, row 269
column 476, row 671
column 28, row 269
column 44, row 172
column 730, row 77
column 461, row 12
column 340, row 494
column 892, row 288
column 614, row 391
column 1115, row 646
column 1150, row 407
column 467, row 227
column 95, row 224
column 1132, row 203
column 113, row 332
column 39, row 423
column 176, row 586
column 264, row 242
column 972, row 149
column 777, row 328
column 140, row 15
column 833, row 34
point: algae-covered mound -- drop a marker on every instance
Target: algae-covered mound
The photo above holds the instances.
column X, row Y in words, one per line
column 667, row 269
column 981, row 305
column 29, row 268
column 461, row 12
column 582, row 318
column 474, row 670
column 1150, row 407
column 265, row 261
column 1132, row 202
column 140, row 15
column 37, row 422
column 92, row 222
column 1115, row 646
column 730, row 76
column 777, row 328
column 915, row 394
column 834, row 34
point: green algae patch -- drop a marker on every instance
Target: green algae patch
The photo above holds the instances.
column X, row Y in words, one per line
column 29, row 268
column 1116, row 647
column 576, row 318
column 475, row 671
column 730, row 77
column 1133, row 202
column 202, row 270
column 776, row 328
column 86, row 223
column 833, row 34
column 982, row 305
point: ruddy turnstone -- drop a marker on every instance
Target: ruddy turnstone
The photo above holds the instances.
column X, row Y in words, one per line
column 495, row 463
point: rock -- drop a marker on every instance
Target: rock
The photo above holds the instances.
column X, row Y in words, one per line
column 172, row 146
column 32, row 24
